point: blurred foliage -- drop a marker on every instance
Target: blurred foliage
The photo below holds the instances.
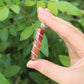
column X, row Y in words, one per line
column 18, row 23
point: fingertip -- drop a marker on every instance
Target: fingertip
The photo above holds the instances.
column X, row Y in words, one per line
column 39, row 9
column 36, row 64
column 28, row 63
column 33, row 64
column 47, row 10
column 43, row 11
column 43, row 14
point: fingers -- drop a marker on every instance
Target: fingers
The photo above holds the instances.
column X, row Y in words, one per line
column 51, row 70
column 73, row 36
column 46, row 9
column 73, row 56
column 47, row 18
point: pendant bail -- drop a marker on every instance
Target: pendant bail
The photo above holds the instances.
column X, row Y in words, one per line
column 42, row 25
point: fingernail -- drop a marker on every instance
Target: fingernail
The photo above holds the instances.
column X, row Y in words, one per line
column 43, row 11
column 32, row 64
column 46, row 9
column 40, row 9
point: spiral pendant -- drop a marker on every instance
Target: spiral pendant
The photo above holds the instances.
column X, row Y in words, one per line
column 37, row 43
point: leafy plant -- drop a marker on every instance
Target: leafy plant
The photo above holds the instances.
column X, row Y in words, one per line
column 18, row 24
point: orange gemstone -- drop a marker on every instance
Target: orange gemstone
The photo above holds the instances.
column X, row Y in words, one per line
column 38, row 37
column 35, row 50
column 40, row 30
column 37, row 43
column 33, row 57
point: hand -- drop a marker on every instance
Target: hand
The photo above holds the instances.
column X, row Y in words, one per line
column 74, row 40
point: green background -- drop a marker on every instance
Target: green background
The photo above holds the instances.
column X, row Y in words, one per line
column 18, row 24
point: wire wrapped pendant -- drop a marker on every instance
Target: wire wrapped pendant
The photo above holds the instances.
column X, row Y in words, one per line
column 37, row 42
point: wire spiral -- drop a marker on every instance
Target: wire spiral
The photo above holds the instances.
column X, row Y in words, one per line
column 37, row 43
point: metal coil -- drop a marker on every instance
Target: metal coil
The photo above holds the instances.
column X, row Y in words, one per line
column 34, row 54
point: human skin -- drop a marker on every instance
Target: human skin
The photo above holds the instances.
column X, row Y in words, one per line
column 74, row 40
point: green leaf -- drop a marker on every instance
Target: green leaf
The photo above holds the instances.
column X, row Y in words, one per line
column 53, row 82
column 27, row 50
column 13, row 31
column 66, row 17
column 5, row 61
column 15, row 8
column 3, row 80
column 1, row 69
column 23, row 44
column 68, row 7
column 3, row 46
column 53, row 8
column 57, row 48
column 0, row 55
column 65, row 60
column 54, row 1
column 22, row 25
column 11, row 71
column 41, row 4
column 4, row 35
column 44, row 46
column 5, row 24
column 37, row 23
column 82, row 22
column 39, row 55
column 29, row 3
column 8, row 1
column 37, row 77
column 4, row 12
column 23, row 81
column 17, row 2
column 1, row 3
column 27, row 32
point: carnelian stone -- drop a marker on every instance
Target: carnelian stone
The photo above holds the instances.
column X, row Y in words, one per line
column 37, row 43
column 33, row 57
column 35, row 50
column 38, row 37
column 40, row 30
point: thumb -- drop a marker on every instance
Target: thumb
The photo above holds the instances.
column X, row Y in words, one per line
column 49, row 69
